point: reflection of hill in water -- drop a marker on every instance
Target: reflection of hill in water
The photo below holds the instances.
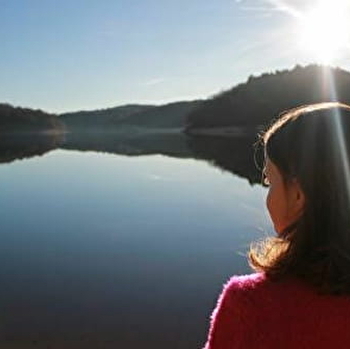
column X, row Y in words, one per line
column 233, row 154
column 170, row 142
column 18, row 146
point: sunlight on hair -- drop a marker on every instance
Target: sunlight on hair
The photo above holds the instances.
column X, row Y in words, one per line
column 338, row 129
column 324, row 30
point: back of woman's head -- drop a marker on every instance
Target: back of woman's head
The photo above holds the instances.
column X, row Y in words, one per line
column 311, row 145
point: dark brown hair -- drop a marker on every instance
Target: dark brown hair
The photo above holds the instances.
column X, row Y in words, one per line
column 311, row 144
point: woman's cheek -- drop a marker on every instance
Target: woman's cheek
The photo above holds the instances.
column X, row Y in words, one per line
column 268, row 202
column 273, row 209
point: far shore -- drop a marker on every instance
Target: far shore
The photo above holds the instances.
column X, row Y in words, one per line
column 131, row 130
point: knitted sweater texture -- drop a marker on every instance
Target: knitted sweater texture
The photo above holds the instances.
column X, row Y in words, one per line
column 254, row 312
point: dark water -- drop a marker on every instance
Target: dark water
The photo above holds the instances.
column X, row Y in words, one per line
column 106, row 251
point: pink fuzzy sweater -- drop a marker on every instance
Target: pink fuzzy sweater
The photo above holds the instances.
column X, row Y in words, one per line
column 253, row 312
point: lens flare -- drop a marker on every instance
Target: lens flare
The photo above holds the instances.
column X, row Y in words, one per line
column 324, row 30
column 338, row 129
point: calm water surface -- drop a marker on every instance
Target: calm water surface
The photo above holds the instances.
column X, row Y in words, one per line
column 107, row 251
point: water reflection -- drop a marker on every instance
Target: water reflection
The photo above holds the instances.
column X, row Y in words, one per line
column 238, row 155
column 233, row 154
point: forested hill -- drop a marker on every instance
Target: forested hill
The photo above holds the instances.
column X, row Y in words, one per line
column 146, row 116
column 15, row 119
column 256, row 102
column 164, row 116
column 93, row 119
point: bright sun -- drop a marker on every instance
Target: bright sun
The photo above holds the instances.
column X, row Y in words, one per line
column 324, row 30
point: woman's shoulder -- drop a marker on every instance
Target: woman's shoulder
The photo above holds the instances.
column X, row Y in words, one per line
column 235, row 311
column 247, row 281
column 245, row 284
column 257, row 287
column 241, row 290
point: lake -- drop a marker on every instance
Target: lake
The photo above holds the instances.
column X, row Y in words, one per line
column 103, row 250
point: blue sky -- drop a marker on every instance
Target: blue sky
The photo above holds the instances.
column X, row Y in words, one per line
column 61, row 55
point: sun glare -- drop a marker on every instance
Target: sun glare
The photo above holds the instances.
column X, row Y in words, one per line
column 324, row 30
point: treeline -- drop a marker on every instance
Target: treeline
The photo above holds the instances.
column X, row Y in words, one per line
column 163, row 116
column 15, row 119
column 145, row 116
column 257, row 101
column 101, row 118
